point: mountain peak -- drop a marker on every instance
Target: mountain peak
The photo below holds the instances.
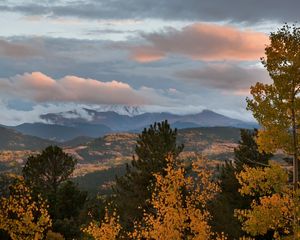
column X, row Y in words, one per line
column 208, row 111
column 121, row 109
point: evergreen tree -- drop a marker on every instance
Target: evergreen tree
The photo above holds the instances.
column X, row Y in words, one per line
column 133, row 190
column 245, row 154
column 48, row 174
column 69, row 203
column 46, row 171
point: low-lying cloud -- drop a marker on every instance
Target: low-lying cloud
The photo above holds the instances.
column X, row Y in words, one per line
column 202, row 41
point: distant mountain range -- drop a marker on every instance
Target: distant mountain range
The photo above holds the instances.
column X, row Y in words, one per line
column 126, row 122
column 66, row 126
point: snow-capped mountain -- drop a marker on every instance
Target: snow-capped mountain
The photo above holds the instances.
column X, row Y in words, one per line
column 121, row 109
column 95, row 123
column 135, row 119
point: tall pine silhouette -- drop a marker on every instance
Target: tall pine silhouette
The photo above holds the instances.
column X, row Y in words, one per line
column 133, row 190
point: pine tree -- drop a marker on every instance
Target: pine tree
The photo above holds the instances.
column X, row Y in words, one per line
column 47, row 174
column 70, row 201
column 247, row 153
column 46, row 171
column 135, row 187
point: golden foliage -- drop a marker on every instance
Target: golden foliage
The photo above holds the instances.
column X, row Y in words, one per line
column 179, row 206
column 274, row 210
column 270, row 213
column 108, row 229
column 179, row 209
column 54, row 236
column 262, row 181
column 22, row 217
column 276, row 106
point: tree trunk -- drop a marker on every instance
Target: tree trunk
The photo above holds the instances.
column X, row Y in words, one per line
column 295, row 165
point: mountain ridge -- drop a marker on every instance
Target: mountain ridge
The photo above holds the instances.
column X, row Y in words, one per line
column 65, row 126
column 119, row 122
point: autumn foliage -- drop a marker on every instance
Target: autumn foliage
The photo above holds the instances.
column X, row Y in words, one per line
column 273, row 210
column 179, row 208
column 108, row 229
column 22, row 217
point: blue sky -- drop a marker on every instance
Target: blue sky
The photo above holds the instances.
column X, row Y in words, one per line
column 176, row 56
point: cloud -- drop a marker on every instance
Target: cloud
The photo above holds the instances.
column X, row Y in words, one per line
column 228, row 77
column 41, row 88
column 202, row 41
column 146, row 54
column 17, row 50
column 11, row 116
column 192, row 10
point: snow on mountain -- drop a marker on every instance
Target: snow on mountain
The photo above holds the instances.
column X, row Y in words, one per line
column 121, row 109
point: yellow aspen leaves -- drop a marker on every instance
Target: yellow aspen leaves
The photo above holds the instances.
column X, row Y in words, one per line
column 179, row 206
column 274, row 208
column 276, row 106
column 108, row 229
column 262, row 181
column 269, row 213
column 179, row 209
column 22, row 217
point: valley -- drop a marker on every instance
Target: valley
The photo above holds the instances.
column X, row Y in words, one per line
column 103, row 158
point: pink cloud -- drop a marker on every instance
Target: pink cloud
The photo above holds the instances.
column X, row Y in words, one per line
column 39, row 87
column 202, row 41
column 242, row 92
column 146, row 54
column 37, row 80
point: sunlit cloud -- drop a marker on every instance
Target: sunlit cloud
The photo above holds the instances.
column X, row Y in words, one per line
column 242, row 92
column 41, row 88
column 202, row 41
column 146, row 54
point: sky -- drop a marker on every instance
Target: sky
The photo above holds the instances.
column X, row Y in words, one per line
column 167, row 55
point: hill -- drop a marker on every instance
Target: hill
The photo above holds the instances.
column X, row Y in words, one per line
column 215, row 143
column 106, row 157
column 13, row 140
column 60, row 133
column 100, row 159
